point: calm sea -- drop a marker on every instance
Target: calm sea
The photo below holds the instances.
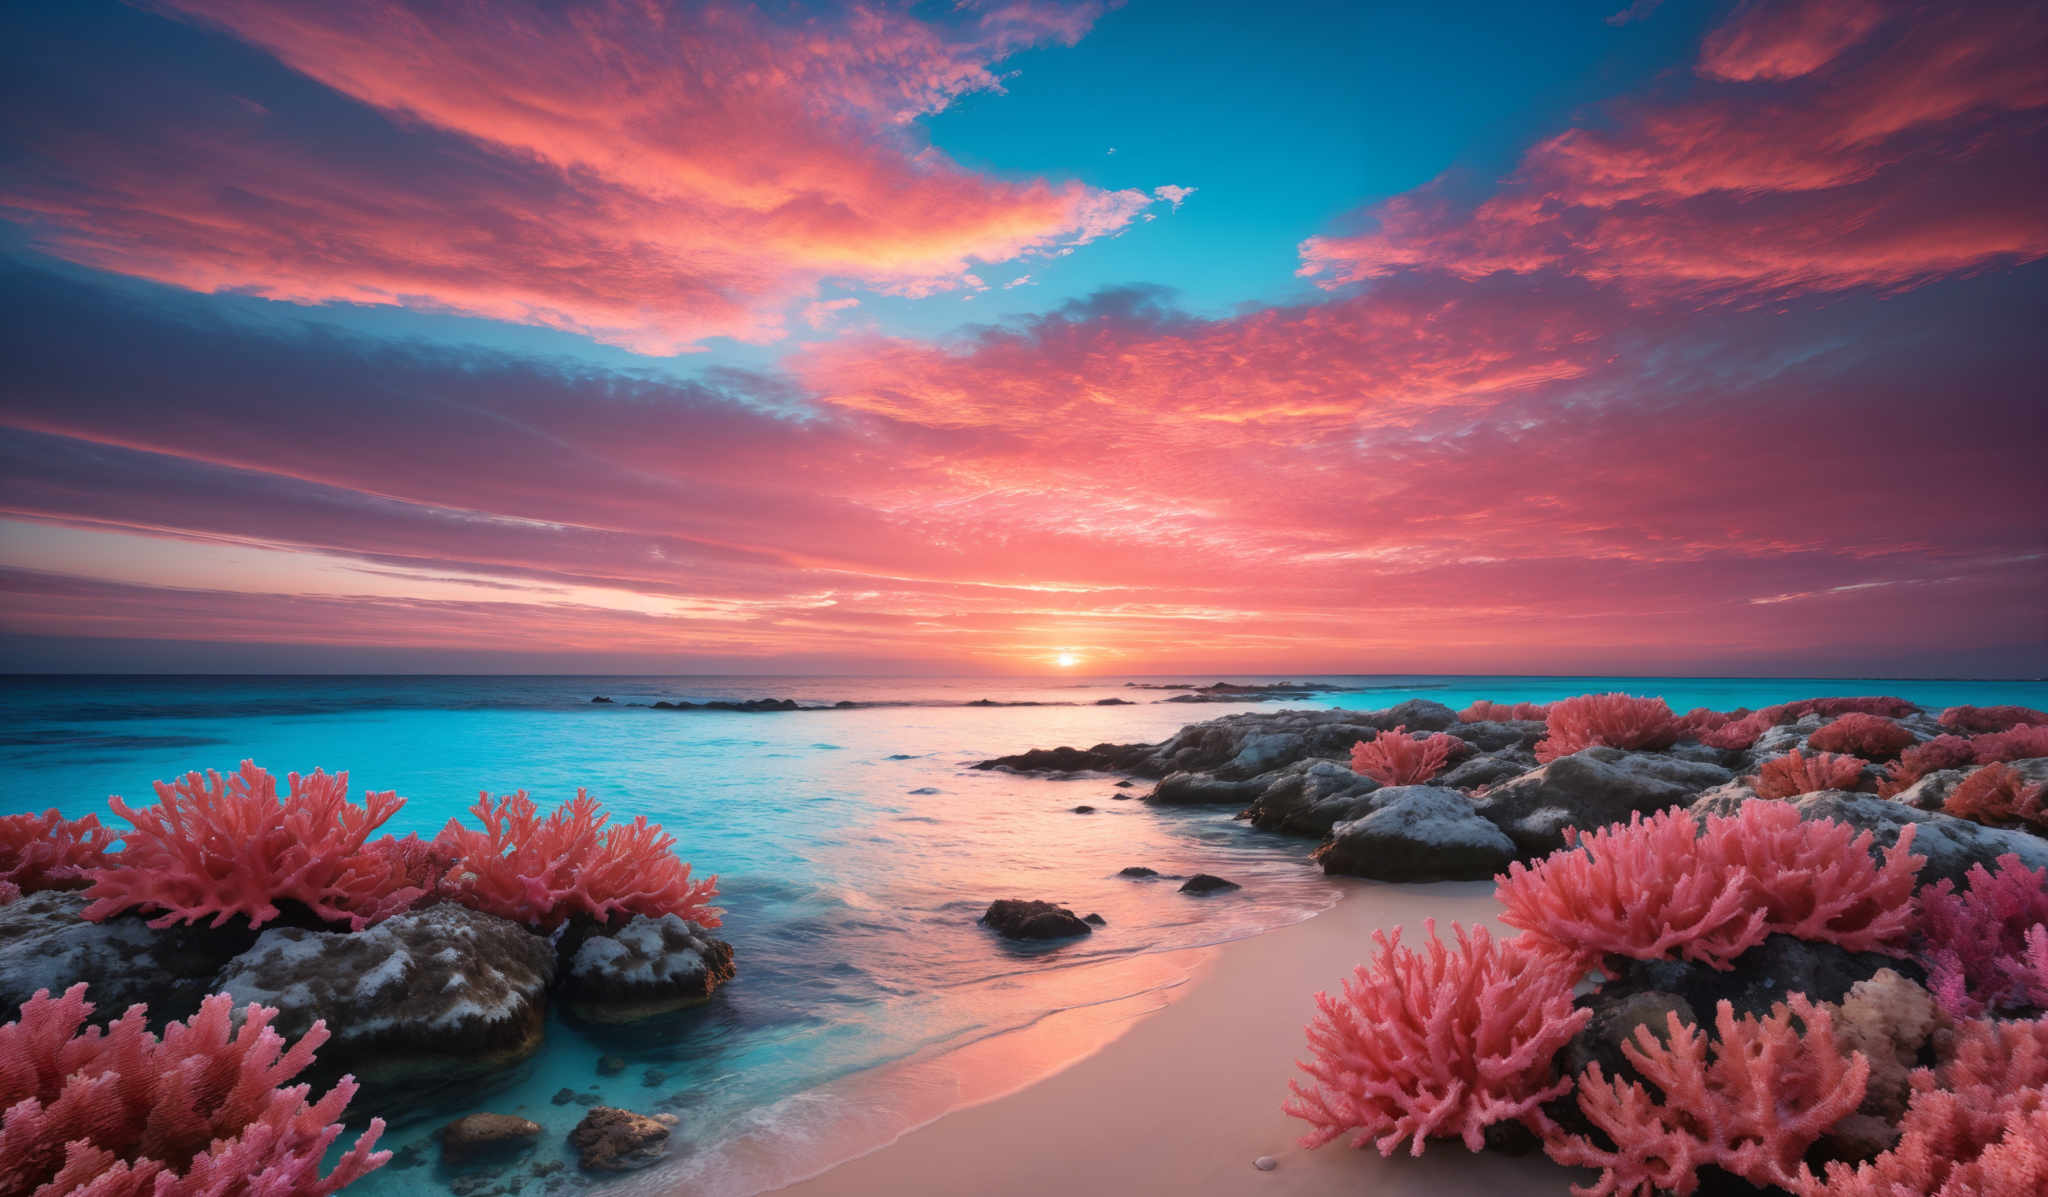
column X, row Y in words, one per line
column 854, row 848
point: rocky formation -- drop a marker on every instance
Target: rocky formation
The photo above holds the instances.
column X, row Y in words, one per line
column 614, row 1140
column 1207, row 883
column 480, row 1137
column 1309, row 798
column 45, row 943
column 1235, row 747
column 1418, row 833
column 648, row 967
column 1951, row 845
column 1015, row 918
column 1591, row 788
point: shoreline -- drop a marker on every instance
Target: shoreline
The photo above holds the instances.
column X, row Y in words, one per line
column 1189, row 1093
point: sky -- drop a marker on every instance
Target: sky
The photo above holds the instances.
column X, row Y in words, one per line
column 1009, row 336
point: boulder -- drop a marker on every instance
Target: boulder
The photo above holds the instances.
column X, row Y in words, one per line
column 45, row 943
column 1591, row 788
column 1201, row 789
column 1487, row 770
column 1137, row 871
column 1310, row 797
column 1931, row 791
column 1207, row 883
column 1496, row 735
column 1015, row 918
column 478, row 1137
column 435, row 997
column 1420, row 714
column 613, row 1140
column 1951, row 845
column 1759, row 978
column 648, row 967
column 1418, row 833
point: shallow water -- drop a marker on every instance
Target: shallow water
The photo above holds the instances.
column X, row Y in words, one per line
column 855, row 851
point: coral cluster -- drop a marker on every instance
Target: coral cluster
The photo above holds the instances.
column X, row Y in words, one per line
column 1394, row 758
column 1997, row 793
column 1941, row 752
column 1980, row 945
column 205, row 1109
column 2016, row 744
column 48, row 851
column 1796, row 773
column 1485, row 710
column 1863, row 735
column 1991, row 719
column 1739, row 732
column 1616, row 720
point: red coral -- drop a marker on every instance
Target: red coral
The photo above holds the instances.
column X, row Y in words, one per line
column 1394, row 758
column 204, row 1110
column 1942, row 752
column 1701, row 720
column 1662, row 886
column 230, row 846
column 2019, row 744
column 1751, row 1102
column 1975, row 944
column 1991, row 719
column 1795, row 773
column 1617, row 720
column 1998, row 794
column 48, row 851
column 1871, row 737
column 1484, row 711
column 1440, row 1045
column 1737, row 734
column 541, row 871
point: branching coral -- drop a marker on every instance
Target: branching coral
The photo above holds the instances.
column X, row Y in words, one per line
column 541, row 871
column 1975, row 943
column 1942, row 752
column 1795, row 773
column 203, row 1110
column 225, row 846
column 1991, row 719
column 1394, row 758
column 2019, row 744
column 1998, row 794
column 1616, row 720
column 48, row 851
column 1485, row 711
column 1750, row 1102
column 1438, row 1044
column 1662, row 886
column 1871, row 737
column 1740, row 733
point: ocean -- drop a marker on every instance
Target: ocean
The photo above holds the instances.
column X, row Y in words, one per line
column 854, row 847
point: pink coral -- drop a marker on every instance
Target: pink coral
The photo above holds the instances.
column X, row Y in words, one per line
column 230, row 846
column 1975, row 943
column 2019, row 744
column 48, row 851
column 1739, row 734
column 541, row 871
column 1942, row 752
column 203, row 1110
column 1437, row 1045
column 1997, row 794
column 1991, row 719
column 1795, row 773
column 1617, row 720
column 1394, row 758
column 1662, row 886
column 1485, row 710
column 1871, row 737
column 1750, row 1102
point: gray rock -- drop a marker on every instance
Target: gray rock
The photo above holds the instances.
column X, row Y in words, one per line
column 1931, row 791
column 1207, row 883
column 435, row 997
column 1420, row 714
column 1496, row 735
column 1015, row 918
column 614, row 1140
column 1951, row 845
column 1201, row 789
column 1234, row 747
column 1310, row 797
column 45, row 943
column 486, row 1137
column 648, row 967
column 1490, row 769
column 1418, row 833
column 1589, row 789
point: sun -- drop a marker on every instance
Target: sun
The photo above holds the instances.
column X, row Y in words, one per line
column 1066, row 660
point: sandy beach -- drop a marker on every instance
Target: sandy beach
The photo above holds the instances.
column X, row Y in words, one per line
column 1189, row 1095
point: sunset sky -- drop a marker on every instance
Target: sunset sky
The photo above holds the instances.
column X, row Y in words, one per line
column 638, row 337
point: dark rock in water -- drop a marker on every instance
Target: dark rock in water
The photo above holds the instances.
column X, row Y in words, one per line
column 1233, row 748
column 653, row 1078
column 563, row 1097
column 902, row 756
column 924, row 791
column 1310, row 797
column 1951, row 845
column 434, row 998
column 750, row 705
column 601, row 698
column 1120, row 797
column 45, row 943
column 1137, row 871
column 1200, row 789
column 1112, row 702
column 1207, row 883
column 1015, row 918
column 648, row 967
column 1760, row 978
column 1084, row 809
column 614, row 1140
column 844, row 704
column 1418, row 833
column 1125, row 784
column 1591, row 788
column 611, row 1065
column 1096, row 920
column 1487, row 769
column 485, row 1137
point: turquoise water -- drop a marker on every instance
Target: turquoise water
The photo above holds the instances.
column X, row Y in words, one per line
column 855, row 850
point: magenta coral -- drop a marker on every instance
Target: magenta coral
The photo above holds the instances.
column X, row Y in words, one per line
column 1975, row 943
column 1616, row 720
column 1942, row 752
column 1871, row 737
column 1997, row 794
column 1795, row 773
column 2019, row 744
column 1750, row 1101
column 1991, row 719
column 203, row 1110
column 48, row 851
column 1663, row 886
column 225, row 846
column 541, row 871
column 1484, row 711
column 1439, row 1044
column 1394, row 758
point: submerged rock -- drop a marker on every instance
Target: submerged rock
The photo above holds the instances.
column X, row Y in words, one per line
column 1200, row 789
column 1591, row 788
column 434, row 997
column 45, row 943
column 1137, row 871
column 648, row 967
column 486, row 1137
column 1951, row 845
column 1418, row 833
column 1014, row 918
column 1207, row 883
column 613, row 1140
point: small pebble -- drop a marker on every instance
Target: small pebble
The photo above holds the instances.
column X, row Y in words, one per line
column 1265, row 1163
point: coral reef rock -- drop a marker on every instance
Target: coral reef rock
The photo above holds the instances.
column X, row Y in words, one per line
column 478, row 1137
column 1418, row 833
column 1014, row 918
column 45, row 943
column 1591, row 788
column 1310, row 797
column 648, row 967
column 1951, row 845
column 613, row 1140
